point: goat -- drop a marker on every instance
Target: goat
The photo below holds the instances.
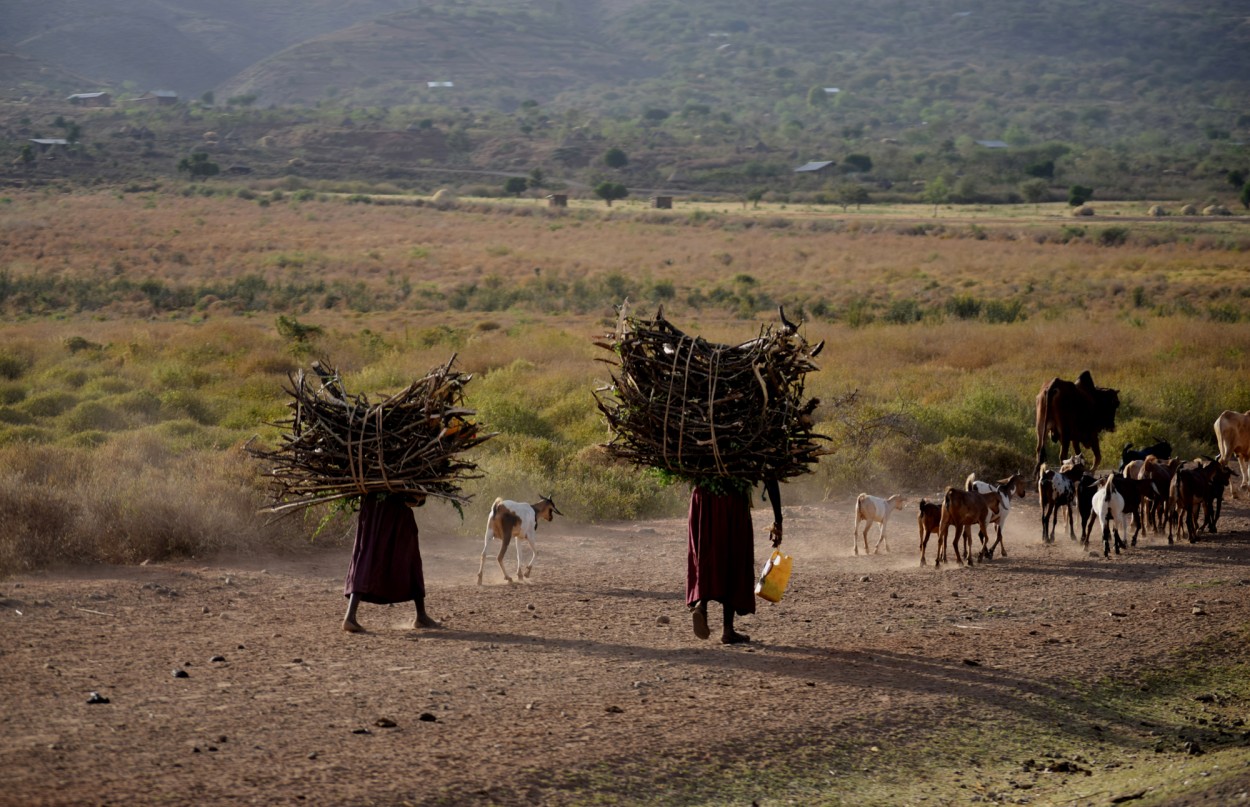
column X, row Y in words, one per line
column 870, row 510
column 1196, row 485
column 1057, row 489
column 1115, row 499
column 518, row 520
column 961, row 509
column 1016, row 484
column 1160, row 474
column 929, row 518
column 1161, row 450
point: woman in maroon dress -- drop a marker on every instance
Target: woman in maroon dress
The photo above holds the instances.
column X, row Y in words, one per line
column 720, row 556
column 386, row 559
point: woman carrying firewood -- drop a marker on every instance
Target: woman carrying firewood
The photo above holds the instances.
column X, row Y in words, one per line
column 386, row 558
column 720, row 552
column 389, row 456
column 723, row 418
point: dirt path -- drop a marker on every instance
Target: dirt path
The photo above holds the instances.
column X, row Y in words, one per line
column 588, row 685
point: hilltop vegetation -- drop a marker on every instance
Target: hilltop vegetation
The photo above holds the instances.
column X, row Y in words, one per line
column 702, row 97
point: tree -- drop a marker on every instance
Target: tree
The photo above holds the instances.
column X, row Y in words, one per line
column 515, row 185
column 611, row 191
column 1034, row 190
column 207, row 98
column 849, row 193
column 1245, row 196
column 817, row 97
column 199, row 166
column 1042, row 170
column 936, row 192
column 1079, row 195
column 537, row 178
column 27, row 155
column 1237, row 179
column 615, row 158
column 858, row 162
column 754, row 196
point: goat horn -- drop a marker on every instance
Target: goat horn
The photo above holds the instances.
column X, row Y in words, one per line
column 789, row 326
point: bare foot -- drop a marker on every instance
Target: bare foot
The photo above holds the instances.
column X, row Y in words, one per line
column 699, row 617
column 352, row 626
column 426, row 621
column 733, row 637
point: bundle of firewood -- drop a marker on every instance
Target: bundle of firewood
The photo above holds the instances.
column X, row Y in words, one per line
column 337, row 446
column 698, row 409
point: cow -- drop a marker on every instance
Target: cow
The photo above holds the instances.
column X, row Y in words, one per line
column 1073, row 413
column 1232, row 435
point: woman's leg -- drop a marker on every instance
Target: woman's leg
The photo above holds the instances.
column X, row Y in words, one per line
column 349, row 620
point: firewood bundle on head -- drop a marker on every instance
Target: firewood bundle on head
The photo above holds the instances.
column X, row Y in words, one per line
column 338, row 446
column 701, row 410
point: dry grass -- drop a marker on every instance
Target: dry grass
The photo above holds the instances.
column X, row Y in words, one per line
column 139, row 348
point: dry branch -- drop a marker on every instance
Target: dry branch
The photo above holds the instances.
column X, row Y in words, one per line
column 699, row 409
column 337, row 446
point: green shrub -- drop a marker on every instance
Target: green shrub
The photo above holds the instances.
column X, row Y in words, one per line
column 49, row 404
column 93, row 416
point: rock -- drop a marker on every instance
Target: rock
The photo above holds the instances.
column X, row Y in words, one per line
column 662, row 619
column 96, row 697
column 361, row 731
column 426, row 717
column 614, row 710
column 1192, row 748
column 217, row 659
column 385, row 723
column 205, row 610
column 181, row 673
column 1198, row 610
column 1083, row 210
column 1156, row 210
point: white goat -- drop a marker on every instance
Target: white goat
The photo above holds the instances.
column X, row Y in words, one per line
column 518, row 520
column 870, row 510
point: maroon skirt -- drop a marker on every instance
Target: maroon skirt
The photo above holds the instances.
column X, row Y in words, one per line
column 720, row 556
column 386, row 559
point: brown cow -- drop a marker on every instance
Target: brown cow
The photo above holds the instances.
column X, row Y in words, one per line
column 1073, row 413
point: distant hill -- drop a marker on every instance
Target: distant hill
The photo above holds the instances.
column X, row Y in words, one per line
column 702, row 93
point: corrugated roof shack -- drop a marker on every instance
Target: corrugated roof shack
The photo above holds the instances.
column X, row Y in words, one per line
column 558, row 200
column 158, row 98
column 662, row 202
column 92, row 99
column 814, row 167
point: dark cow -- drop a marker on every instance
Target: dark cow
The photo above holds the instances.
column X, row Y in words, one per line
column 1073, row 413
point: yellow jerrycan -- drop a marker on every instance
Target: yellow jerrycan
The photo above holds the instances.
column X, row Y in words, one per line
column 774, row 577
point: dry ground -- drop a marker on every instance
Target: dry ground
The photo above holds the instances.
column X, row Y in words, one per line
column 870, row 683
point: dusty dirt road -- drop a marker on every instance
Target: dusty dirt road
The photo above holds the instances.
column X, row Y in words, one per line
column 869, row 683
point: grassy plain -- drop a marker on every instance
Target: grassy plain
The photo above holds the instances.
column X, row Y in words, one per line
column 145, row 336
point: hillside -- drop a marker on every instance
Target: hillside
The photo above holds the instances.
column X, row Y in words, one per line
column 1136, row 97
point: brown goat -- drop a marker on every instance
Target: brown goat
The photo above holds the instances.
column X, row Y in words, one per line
column 961, row 509
column 929, row 518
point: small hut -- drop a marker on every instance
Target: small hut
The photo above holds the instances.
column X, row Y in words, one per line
column 662, row 202
column 558, row 200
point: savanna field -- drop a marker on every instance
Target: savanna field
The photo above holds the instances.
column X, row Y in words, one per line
column 145, row 338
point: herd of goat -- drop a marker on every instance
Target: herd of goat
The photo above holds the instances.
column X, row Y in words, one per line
column 1151, row 489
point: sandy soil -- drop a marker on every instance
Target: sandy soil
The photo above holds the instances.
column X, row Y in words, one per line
column 586, row 683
